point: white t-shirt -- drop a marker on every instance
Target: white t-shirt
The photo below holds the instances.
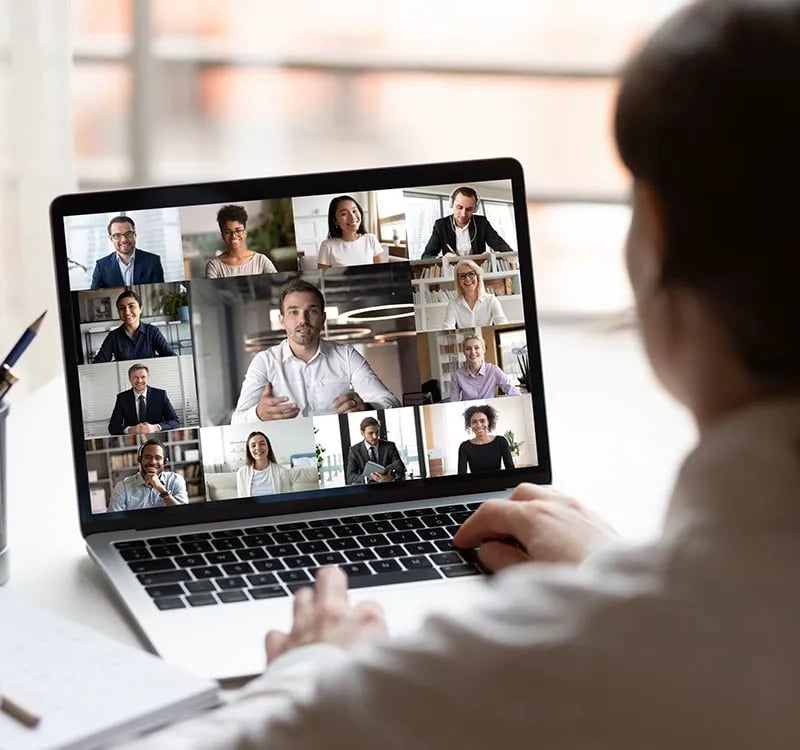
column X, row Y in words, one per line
column 262, row 482
column 336, row 252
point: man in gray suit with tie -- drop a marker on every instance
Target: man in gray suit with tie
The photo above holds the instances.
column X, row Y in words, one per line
column 383, row 452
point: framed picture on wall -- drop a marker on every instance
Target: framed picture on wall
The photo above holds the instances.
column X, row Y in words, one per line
column 101, row 308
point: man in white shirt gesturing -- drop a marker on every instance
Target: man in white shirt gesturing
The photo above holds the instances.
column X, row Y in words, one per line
column 304, row 375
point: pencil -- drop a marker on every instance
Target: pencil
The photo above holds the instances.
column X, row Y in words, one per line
column 27, row 336
column 17, row 712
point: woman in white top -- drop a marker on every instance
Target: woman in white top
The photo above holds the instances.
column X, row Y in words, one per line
column 236, row 259
column 473, row 306
column 348, row 243
column 262, row 475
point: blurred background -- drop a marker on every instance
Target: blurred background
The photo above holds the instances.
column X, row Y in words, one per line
column 101, row 94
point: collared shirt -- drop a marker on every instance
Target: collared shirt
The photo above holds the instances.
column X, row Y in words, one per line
column 464, row 238
column 466, row 385
column 686, row 642
column 147, row 341
column 126, row 269
column 487, row 312
column 334, row 370
column 133, row 494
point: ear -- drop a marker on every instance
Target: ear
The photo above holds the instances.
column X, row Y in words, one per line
column 646, row 244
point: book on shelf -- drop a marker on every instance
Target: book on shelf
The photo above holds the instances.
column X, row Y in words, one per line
column 499, row 287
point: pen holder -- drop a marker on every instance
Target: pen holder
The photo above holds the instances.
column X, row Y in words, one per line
column 3, row 514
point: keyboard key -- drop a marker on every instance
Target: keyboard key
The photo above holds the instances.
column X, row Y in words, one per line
column 319, row 522
column 169, row 602
column 354, row 570
column 456, row 571
column 217, row 558
column 359, row 555
column 227, row 543
column 282, row 550
column 393, row 550
column 348, row 529
column 401, row 524
column 293, row 526
column 262, row 579
column 258, row 529
column 387, row 515
column 452, row 530
column 373, row 540
column 329, row 558
column 309, row 548
column 267, row 592
column 420, row 548
column 257, row 540
column 158, row 540
column 303, row 561
column 251, row 554
column 415, row 512
column 200, row 587
column 416, row 563
column 344, row 543
column 166, row 550
column 357, row 519
column 136, row 553
column 235, row 595
column 201, row 600
column 195, row 537
column 267, row 565
column 451, row 508
column 474, row 506
column 385, row 566
column 227, row 533
column 378, row 527
column 403, row 537
column 323, row 532
column 398, row 576
column 207, row 571
column 444, row 544
column 226, row 584
column 190, row 561
column 287, row 537
column 295, row 587
column 434, row 533
column 238, row 568
column 294, row 576
column 196, row 547
column 150, row 566
column 130, row 543
column 167, row 576
column 441, row 519
column 447, row 558
column 460, row 517
column 157, row 592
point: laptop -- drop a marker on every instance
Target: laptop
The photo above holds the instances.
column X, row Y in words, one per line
column 281, row 333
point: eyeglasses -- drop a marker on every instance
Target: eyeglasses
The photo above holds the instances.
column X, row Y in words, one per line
column 467, row 275
column 240, row 232
column 128, row 236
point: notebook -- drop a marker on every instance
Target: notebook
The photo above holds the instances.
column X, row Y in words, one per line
column 276, row 328
column 87, row 690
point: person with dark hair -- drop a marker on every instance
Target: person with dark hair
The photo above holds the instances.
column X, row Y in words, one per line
column 305, row 375
column 464, row 232
column 261, row 474
column 376, row 450
column 151, row 486
column 685, row 641
column 133, row 339
column 128, row 264
column 348, row 243
column 142, row 409
column 236, row 259
column 484, row 451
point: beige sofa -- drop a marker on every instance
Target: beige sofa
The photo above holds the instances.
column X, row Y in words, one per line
column 222, row 485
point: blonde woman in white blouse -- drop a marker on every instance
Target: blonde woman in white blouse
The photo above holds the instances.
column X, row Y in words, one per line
column 473, row 306
column 348, row 243
column 262, row 474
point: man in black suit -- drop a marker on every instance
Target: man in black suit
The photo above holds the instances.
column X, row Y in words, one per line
column 383, row 452
column 464, row 232
column 142, row 409
column 128, row 264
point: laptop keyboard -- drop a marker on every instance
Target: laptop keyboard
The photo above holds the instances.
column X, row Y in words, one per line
column 264, row 562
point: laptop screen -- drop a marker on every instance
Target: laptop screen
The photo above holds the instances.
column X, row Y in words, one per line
column 266, row 346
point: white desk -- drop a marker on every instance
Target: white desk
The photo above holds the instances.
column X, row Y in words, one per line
column 616, row 442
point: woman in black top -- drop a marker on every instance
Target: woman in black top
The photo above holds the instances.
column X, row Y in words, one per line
column 485, row 451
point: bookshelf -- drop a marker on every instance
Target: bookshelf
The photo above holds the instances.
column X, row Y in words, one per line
column 110, row 459
column 434, row 286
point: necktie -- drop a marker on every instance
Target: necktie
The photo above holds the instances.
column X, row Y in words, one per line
column 372, row 454
column 142, row 409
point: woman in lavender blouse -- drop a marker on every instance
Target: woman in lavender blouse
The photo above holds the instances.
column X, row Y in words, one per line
column 478, row 378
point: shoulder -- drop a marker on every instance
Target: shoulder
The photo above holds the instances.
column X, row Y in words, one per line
column 105, row 260
column 444, row 222
column 480, row 220
column 242, row 471
column 146, row 255
column 160, row 392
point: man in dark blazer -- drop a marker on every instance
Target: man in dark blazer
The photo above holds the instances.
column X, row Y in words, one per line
column 128, row 264
column 142, row 409
column 471, row 228
column 383, row 452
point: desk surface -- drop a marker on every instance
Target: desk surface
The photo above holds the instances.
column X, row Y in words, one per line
column 616, row 442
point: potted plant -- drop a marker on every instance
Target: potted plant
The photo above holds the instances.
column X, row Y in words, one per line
column 521, row 354
column 512, row 443
column 176, row 303
column 275, row 235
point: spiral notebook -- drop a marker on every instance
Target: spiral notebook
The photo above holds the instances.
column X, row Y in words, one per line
column 87, row 690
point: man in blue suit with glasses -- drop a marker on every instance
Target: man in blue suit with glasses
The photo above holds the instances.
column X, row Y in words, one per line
column 127, row 265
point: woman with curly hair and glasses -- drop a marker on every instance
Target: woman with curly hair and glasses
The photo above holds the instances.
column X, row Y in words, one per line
column 485, row 451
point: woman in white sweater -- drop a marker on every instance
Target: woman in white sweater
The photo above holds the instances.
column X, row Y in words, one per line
column 262, row 474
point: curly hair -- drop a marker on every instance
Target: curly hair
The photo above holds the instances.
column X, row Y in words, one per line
column 488, row 411
column 231, row 213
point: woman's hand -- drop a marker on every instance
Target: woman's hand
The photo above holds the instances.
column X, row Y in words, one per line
column 534, row 524
column 322, row 614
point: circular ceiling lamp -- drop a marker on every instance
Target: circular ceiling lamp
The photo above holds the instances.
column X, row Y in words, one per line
column 379, row 312
column 260, row 340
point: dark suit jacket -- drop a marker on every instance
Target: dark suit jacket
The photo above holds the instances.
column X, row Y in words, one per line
column 146, row 270
column 484, row 234
column 387, row 454
column 159, row 411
